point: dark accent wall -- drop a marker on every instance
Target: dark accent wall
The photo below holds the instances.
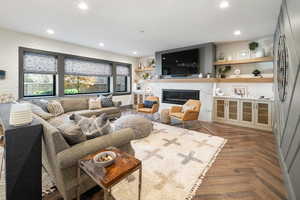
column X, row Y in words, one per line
column 287, row 112
column 207, row 56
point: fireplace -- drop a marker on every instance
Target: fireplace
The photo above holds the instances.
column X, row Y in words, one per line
column 179, row 96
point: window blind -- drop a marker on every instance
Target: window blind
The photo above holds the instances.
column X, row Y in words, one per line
column 122, row 70
column 82, row 67
column 39, row 63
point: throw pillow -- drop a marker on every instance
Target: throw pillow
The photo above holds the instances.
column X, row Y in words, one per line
column 72, row 133
column 41, row 103
column 94, row 103
column 106, row 101
column 55, row 108
column 149, row 104
column 40, row 112
column 93, row 127
column 187, row 107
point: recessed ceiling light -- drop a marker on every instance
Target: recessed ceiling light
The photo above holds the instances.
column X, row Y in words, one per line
column 83, row 6
column 134, row 52
column 101, row 44
column 50, row 31
column 237, row 32
column 224, row 4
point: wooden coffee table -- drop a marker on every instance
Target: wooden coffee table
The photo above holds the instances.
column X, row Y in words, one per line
column 124, row 165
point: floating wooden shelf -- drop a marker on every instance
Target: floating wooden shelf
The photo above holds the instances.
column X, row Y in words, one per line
column 145, row 69
column 247, row 61
column 215, row 80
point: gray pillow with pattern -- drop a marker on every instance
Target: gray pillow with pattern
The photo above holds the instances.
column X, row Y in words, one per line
column 106, row 101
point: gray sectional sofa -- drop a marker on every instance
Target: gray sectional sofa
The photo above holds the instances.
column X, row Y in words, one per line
column 60, row 159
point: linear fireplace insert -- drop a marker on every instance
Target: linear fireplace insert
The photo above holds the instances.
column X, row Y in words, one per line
column 179, row 96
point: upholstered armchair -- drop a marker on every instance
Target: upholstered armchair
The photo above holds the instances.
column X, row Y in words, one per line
column 154, row 109
column 188, row 112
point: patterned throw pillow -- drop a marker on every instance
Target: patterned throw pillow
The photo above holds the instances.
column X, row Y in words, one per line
column 94, row 103
column 187, row 107
column 93, row 127
column 106, row 101
column 55, row 108
column 40, row 112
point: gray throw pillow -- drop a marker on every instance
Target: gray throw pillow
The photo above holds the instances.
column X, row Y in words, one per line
column 72, row 133
column 40, row 112
column 106, row 101
column 41, row 103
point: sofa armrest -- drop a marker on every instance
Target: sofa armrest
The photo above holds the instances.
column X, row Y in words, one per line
column 117, row 103
column 175, row 109
column 70, row 156
column 155, row 108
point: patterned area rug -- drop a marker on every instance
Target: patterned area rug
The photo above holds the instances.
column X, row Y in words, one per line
column 172, row 159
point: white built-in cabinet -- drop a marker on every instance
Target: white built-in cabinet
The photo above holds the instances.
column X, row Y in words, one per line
column 252, row 113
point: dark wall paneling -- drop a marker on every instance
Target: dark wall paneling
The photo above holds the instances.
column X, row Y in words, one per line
column 287, row 113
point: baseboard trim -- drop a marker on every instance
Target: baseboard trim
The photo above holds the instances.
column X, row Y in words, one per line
column 286, row 177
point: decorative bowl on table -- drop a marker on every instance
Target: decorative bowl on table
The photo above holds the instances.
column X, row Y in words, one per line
column 105, row 158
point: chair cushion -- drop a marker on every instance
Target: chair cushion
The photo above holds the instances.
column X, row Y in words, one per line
column 146, row 110
column 178, row 115
column 149, row 104
column 55, row 108
column 187, row 107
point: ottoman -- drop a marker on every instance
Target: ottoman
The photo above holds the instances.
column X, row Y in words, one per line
column 141, row 126
column 165, row 117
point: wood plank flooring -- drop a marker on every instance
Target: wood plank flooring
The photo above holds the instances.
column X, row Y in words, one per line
column 246, row 169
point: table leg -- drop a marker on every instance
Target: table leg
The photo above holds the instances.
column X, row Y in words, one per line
column 140, row 182
column 106, row 194
column 78, row 182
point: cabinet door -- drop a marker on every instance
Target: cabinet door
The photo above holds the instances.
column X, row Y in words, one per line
column 220, row 111
column 233, row 110
column 263, row 114
column 247, row 115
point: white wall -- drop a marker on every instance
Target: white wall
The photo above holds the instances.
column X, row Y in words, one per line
column 10, row 41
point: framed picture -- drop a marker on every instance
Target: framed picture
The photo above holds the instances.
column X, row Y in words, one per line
column 240, row 91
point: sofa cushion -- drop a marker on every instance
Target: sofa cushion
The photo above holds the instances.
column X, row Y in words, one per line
column 74, row 104
column 145, row 110
column 89, row 113
column 178, row 115
column 72, row 133
column 149, row 104
column 55, row 108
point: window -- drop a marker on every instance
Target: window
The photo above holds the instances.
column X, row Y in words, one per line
column 44, row 73
column 84, row 77
column 39, row 74
column 122, row 76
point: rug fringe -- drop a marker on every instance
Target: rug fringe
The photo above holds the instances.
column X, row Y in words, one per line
column 205, row 170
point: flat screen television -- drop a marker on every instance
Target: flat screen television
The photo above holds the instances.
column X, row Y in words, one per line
column 181, row 63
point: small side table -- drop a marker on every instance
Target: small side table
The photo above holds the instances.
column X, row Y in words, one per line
column 165, row 117
column 124, row 165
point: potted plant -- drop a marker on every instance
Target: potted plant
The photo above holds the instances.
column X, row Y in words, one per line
column 255, row 50
column 223, row 70
column 146, row 75
column 253, row 46
column 256, row 72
